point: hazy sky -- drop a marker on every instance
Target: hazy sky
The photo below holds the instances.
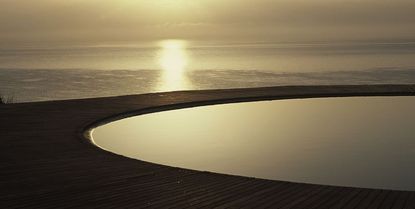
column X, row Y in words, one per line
column 113, row 21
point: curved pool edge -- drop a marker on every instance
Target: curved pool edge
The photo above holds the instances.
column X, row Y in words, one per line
column 325, row 92
column 88, row 131
column 48, row 156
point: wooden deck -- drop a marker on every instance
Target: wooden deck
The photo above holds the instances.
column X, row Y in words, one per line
column 46, row 162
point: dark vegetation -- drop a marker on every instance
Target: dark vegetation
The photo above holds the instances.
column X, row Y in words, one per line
column 6, row 99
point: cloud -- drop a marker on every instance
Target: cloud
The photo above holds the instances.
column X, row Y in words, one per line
column 135, row 20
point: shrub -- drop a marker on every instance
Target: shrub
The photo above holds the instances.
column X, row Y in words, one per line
column 5, row 99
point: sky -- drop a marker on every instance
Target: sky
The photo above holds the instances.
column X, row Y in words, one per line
column 130, row 21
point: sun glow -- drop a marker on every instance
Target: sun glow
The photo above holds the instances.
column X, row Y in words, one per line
column 173, row 60
column 173, row 57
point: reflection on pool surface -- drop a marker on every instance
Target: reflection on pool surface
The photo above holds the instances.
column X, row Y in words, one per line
column 357, row 141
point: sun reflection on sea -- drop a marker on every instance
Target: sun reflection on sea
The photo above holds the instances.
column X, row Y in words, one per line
column 173, row 59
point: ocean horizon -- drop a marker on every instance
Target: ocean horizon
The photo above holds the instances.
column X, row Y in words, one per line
column 31, row 74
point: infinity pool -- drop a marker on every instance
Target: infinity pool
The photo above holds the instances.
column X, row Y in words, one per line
column 356, row 141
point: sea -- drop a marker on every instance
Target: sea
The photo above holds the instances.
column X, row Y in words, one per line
column 29, row 74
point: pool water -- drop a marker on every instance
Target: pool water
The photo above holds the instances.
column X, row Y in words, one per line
column 356, row 141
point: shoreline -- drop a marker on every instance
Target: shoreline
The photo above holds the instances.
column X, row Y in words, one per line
column 47, row 153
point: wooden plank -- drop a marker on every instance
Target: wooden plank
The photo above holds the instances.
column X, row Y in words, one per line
column 47, row 163
column 401, row 200
column 410, row 202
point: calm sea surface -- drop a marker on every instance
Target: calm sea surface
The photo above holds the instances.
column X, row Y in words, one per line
column 37, row 74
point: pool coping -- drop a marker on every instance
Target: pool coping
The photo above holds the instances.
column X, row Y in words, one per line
column 47, row 150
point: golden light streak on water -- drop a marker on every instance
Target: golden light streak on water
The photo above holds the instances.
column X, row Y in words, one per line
column 173, row 59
